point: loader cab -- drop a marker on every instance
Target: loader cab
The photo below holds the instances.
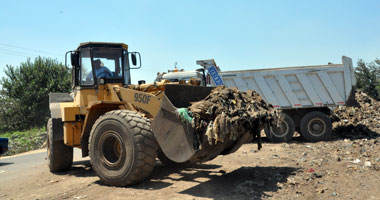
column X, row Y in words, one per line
column 96, row 63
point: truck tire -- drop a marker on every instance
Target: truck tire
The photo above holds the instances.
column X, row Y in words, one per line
column 316, row 126
column 123, row 149
column 60, row 156
column 284, row 132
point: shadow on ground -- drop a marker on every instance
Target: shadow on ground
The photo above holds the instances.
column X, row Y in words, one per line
column 5, row 163
column 245, row 182
column 79, row 169
column 296, row 139
column 162, row 172
column 354, row 132
column 242, row 183
column 209, row 180
column 351, row 132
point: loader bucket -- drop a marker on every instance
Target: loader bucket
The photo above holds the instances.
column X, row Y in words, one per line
column 176, row 138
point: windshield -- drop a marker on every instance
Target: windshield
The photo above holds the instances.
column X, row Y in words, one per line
column 106, row 63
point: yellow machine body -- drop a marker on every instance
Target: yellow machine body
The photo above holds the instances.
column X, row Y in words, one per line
column 76, row 113
column 95, row 102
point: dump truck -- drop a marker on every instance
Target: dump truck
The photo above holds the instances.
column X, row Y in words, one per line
column 306, row 95
column 123, row 127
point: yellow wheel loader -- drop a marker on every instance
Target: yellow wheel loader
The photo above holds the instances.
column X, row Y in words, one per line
column 119, row 125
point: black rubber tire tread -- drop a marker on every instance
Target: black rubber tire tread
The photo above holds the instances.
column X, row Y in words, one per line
column 304, row 129
column 169, row 163
column 144, row 147
column 288, row 136
column 60, row 156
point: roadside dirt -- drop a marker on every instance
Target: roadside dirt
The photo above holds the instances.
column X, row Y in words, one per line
column 336, row 169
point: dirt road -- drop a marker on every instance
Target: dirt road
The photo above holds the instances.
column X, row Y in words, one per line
column 336, row 169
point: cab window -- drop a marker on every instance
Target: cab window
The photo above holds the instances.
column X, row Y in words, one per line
column 107, row 63
column 103, row 63
column 86, row 77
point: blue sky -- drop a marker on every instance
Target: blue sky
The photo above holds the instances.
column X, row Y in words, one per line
column 237, row 34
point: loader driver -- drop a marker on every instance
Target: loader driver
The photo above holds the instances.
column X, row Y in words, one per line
column 100, row 71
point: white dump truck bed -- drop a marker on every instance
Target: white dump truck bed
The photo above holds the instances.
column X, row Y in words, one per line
column 297, row 87
column 306, row 95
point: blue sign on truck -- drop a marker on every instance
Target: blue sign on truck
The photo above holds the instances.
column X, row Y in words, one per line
column 3, row 145
column 215, row 76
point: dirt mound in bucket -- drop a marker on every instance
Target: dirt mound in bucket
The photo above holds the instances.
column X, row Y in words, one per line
column 361, row 121
column 228, row 118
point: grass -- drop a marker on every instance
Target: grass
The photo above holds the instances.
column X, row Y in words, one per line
column 22, row 141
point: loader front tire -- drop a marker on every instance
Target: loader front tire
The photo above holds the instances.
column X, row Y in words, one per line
column 122, row 148
column 60, row 156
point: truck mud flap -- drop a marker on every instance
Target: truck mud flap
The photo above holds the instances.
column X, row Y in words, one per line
column 351, row 101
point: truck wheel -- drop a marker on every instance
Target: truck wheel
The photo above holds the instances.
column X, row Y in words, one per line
column 316, row 126
column 122, row 148
column 60, row 156
column 283, row 131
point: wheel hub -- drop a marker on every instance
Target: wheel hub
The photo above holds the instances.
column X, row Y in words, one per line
column 111, row 149
column 317, row 127
column 280, row 129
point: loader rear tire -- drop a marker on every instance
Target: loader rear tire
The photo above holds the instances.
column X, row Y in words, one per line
column 316, row 126
column 284, row 132
column 122, row 148
column 60, row 156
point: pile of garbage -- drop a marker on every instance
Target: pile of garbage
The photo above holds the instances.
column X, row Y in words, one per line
column 228, row 118
column 360, row 121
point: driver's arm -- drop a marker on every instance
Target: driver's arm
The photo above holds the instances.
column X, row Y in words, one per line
column 103, row 72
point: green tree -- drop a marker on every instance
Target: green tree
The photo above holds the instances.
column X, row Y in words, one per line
column 368, row 76
column 25, row 92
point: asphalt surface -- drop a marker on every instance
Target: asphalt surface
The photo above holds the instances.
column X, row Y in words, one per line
column 12, row 166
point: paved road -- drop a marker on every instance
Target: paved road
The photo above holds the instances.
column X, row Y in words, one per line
column 12, row 166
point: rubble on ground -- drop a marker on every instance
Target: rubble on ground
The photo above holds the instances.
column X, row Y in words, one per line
column 354, row 153
column 321, row 163
column 360, row 121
